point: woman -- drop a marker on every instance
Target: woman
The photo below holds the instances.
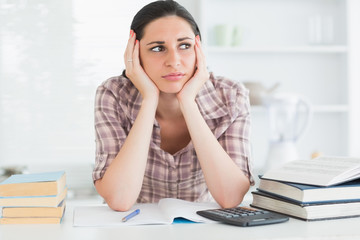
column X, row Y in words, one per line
column 166, row 127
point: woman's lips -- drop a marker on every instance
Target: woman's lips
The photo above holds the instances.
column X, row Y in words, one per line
column 173, row 76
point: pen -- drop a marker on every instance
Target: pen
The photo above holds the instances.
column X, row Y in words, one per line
column 131, row 215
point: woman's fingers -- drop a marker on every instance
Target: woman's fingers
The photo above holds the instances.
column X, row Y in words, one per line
column 193, row 86
column 134, row 70
column 135, row 54
column 128, row 55
column 200, row 56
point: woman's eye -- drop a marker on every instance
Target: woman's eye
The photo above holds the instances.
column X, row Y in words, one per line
column 185, row 46
column 157, row 49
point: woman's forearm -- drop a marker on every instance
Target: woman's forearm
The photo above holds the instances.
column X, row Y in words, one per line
column 122, row 181
column 225, row 181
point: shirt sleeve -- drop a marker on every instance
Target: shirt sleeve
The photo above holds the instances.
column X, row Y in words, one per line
column 236, row 139
column 109, row 129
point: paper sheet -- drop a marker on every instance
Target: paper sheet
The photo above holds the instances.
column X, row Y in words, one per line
column 162, row 213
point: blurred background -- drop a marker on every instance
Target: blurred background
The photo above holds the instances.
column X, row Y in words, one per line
column 299, row 59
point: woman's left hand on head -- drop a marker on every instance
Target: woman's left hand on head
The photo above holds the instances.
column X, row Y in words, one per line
column 201, row 75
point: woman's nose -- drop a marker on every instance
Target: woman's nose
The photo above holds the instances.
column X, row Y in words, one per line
column 173, row 58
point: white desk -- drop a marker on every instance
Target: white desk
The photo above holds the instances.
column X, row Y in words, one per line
column 293, row 229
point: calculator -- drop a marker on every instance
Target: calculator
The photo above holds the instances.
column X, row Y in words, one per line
column 243, row 216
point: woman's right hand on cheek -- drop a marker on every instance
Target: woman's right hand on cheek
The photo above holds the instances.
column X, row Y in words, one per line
column 135, row 72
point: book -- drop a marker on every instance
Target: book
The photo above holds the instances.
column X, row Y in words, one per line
column 34, row 201
column 321, row 171
column 35, row 184
column 28, row 220
column 306, row 211
column 30, row 212
column 163, row 212
column 309, row 193
column 35, row 219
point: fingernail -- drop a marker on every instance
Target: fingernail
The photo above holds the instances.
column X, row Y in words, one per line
column 131, row 33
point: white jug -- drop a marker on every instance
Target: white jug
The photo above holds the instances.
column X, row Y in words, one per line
column 289, row 117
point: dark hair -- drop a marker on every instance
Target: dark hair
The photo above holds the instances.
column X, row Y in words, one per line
column 160, row 9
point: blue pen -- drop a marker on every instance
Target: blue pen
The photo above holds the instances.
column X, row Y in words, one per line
column 131, row 215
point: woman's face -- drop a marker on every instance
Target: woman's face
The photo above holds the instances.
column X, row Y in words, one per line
column 167, row 53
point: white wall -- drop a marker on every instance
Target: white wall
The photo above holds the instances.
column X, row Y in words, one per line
column 354, row 75
column 53, row 56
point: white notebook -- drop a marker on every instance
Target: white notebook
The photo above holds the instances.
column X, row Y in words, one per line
column 163, row 212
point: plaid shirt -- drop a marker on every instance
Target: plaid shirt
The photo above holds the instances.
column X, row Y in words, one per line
column 223, row 104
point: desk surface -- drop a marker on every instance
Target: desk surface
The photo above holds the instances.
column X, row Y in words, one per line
column 293, row 229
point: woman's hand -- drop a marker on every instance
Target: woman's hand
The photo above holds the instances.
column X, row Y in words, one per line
column 201, row 75
column 135, row 72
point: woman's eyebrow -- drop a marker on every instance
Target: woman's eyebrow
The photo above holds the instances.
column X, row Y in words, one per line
column 163, row 42
column 184, row 38
column 156, row 42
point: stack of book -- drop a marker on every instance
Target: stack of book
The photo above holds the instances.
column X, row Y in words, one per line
column 317, row 189
column 33, row 198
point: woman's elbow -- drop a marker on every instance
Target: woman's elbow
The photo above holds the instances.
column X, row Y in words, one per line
column 230, row 202
column 114, row 200
column 234, row 198
column 117, row 204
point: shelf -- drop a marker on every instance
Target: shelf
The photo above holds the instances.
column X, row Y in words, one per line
column 276, row 47
column 330, row 109
column 315, row 109
column 280, row 49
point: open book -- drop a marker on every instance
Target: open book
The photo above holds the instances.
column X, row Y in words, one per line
column 163, row 212
column 322, row 171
